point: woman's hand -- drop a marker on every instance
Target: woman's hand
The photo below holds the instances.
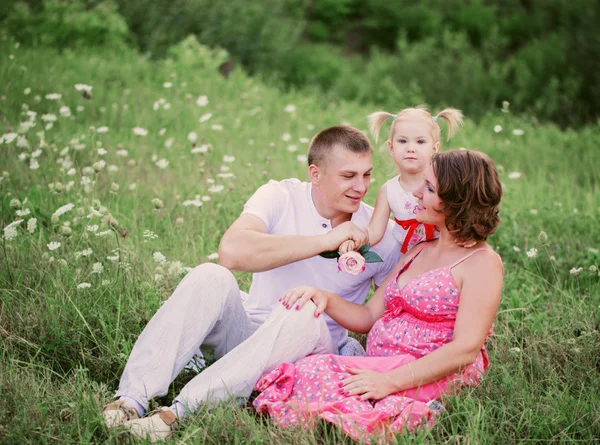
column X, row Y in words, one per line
column 368, row 384
column 298, row 296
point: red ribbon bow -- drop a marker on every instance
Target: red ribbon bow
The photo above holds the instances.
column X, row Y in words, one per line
column 411, row 225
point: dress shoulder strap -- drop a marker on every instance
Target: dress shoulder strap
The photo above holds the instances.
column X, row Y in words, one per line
column 467, row 256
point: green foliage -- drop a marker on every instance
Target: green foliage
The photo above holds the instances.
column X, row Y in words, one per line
column 68, row 24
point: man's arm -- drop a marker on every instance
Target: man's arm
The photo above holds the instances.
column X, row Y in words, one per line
column 246, row 245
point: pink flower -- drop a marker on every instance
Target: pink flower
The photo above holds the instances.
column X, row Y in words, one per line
column 352, row 263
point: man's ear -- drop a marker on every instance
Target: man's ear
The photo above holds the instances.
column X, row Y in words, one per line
column 314, row 174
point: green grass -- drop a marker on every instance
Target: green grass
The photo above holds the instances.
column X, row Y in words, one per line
column 63, row 348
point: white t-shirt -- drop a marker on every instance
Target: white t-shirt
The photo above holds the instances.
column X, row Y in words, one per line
column 403, row 206
column 286, row 207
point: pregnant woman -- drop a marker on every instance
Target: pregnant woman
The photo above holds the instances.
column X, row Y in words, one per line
column 427, row 323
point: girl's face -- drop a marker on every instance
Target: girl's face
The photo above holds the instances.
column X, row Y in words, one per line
column 412, row 145
column 430, row 206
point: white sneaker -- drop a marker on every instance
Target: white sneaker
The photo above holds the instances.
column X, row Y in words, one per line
column 158, row 425
column 116, row 414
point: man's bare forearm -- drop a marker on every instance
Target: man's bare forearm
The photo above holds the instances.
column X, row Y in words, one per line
column 252, row 251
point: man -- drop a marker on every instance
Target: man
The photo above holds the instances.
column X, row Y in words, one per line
column 282, row 229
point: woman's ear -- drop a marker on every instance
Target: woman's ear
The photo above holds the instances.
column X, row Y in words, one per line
column 390, row 146
column 314, row 174
column 436, row 147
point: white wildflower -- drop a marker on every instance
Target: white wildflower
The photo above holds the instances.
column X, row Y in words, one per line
column 593, row 250
column 202, row 101
column 167, row 85
column 205, row 117
column 104, row 233
column 228, row 158
column 139, row 131
column 102, row 151
column 84, row 286
column 518, row 132
column 53, row 96
column 159, row 258
column 575, row 270
column 9, row 137
column 27, row 91
column 286, row 137
column 97, row 268
column 48, row 117
column 516, row 249
column 149, row 234
column 213, row 256
column 201, row 149
column 532, row 253
column 176, row 268
column 83, row 87
column 206, row 198
column 53, row 245
column 290, row 108
column 34, row 164
column 64, row 111
column 292, row 148
column 23, row 212
column 99, row 165
column 533, row 211
column 31, row 225
column 302, row 158
column 113, row 168
column 514, row 175
column 217, row 127
column 304, row 140
column 86, row 252
column 192, row 202
column 216, row 188
column 64, row 209
column 162, row 164
column 102, row 130
column 92, row 228
column 122, row 152
column 162, row 131
column 10, row 231
column 225, row 175
column 192, row 136
column 36, row 153
column 497, row 128
column 515, row 350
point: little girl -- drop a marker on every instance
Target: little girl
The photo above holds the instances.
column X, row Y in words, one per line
column 414, row 138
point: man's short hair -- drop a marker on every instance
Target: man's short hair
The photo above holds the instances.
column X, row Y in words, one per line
column 323, row 144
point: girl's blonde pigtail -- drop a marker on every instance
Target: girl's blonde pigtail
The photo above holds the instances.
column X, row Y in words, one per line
column 376, row 120
column 454, row 119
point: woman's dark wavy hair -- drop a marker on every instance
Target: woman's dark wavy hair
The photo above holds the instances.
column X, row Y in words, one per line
column 470, row 189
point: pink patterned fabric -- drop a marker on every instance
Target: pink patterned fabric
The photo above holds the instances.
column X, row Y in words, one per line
column 419, row 318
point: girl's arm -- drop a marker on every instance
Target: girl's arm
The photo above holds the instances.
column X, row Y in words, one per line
column 479, row 300
column 380, row 218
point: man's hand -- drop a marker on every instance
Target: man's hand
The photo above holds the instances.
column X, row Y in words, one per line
column 346, row 247
column 368, row 384
column 344, row 232
column 298, row 296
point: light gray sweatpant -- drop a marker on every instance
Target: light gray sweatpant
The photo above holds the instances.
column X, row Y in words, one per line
column 206, row 310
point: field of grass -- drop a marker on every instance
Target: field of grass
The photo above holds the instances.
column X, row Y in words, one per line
column 148, row 174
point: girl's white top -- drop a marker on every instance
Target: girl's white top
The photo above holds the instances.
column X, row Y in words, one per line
column 402, row 205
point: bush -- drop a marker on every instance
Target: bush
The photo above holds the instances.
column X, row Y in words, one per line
column 64, row 24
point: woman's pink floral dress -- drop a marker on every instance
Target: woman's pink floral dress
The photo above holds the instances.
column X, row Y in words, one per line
column 419, row 318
